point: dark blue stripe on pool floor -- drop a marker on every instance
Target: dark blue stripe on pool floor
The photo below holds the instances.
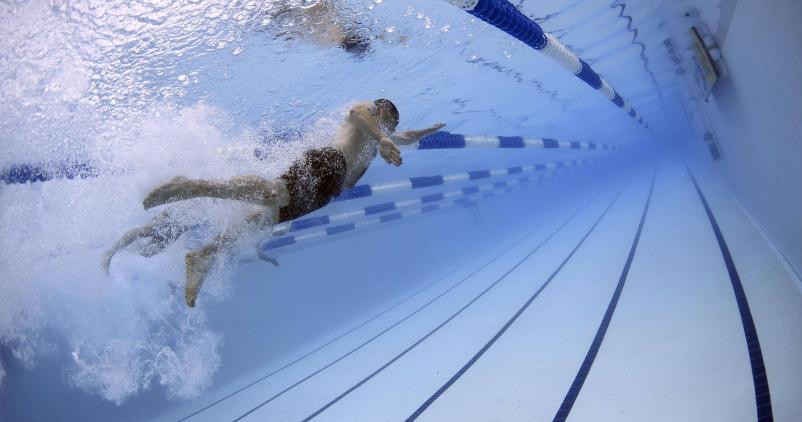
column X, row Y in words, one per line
column 759, row 377
column 584, row 369
column 512, row 320
column 411, row 314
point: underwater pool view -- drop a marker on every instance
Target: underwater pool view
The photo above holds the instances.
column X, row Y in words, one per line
column 545, row 256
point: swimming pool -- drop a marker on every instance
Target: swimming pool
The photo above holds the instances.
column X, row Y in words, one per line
column 551, row 255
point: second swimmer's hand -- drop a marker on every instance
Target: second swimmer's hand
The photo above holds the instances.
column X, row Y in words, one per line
column 389, row 151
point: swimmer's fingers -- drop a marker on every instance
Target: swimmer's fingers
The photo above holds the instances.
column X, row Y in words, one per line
column 398, row 160
column 391, row 153
column 394, row 158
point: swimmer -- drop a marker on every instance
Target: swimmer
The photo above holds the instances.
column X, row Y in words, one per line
column 325, row 23
column 309, row 183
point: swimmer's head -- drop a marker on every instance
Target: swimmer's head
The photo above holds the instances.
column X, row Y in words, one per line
column 355, row 44
column 387, row 114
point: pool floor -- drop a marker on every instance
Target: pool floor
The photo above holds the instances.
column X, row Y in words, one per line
column 622, row 308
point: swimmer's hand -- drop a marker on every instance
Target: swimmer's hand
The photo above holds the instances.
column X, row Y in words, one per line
column 389, row 151
column 436, row 127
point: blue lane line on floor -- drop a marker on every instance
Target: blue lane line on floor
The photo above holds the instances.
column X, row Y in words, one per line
column 512, row 320
column 369, row 320
column 454, row 315
column 530, row 233
column 584, row 370
column 759, row 377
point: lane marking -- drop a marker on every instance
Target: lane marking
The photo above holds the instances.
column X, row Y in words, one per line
column 584, row 369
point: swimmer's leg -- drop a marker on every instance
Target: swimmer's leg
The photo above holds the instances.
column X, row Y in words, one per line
column 125, row 240
column 198, row 263
column 253, row 189
column 130, row 236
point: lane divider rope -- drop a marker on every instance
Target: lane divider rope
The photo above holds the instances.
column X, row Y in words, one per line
column 412, row 183
column 448, row 140
column 465, row 197
column 325, row 219
column 506, row 17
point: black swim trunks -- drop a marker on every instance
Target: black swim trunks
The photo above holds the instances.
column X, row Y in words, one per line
column 313, row 181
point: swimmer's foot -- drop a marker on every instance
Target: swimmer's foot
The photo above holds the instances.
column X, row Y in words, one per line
column 264, row 257
column 175, row 190
column 198, row 264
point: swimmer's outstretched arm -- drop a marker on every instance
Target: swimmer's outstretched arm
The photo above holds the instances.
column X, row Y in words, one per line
column 411, row 136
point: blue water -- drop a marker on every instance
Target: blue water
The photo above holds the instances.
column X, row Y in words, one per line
column 149, row 90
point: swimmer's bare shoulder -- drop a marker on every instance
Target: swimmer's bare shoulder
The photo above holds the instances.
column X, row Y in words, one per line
column 353, row 130
column 376, row 124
